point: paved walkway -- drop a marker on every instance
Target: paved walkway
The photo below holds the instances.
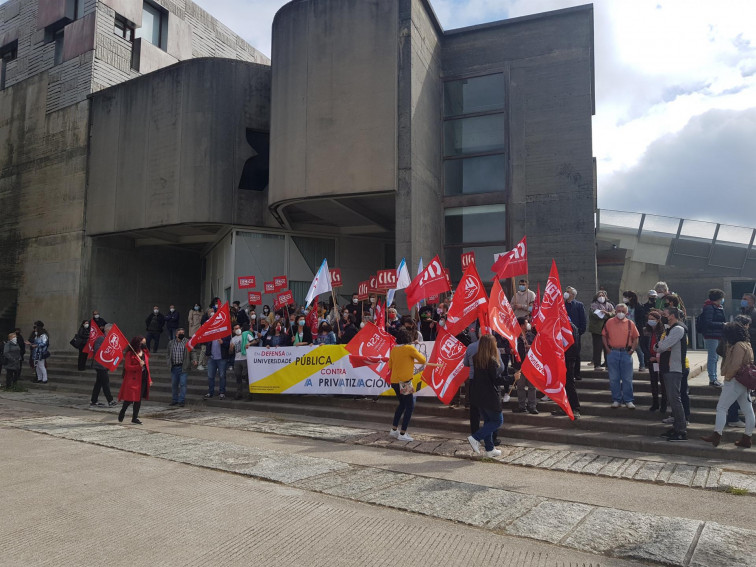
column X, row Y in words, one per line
column 426, row 484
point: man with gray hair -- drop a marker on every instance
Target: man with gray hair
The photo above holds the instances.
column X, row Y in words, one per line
column 576, row 313
column 180, row 363
column 620, row 336
column 102, row 380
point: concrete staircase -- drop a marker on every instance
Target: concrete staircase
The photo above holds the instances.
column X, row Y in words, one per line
column 599, row 426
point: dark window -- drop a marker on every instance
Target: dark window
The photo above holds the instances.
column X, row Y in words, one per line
column 256, row 170
column 123, row 28
column 478, row 224
column 58, row 39
column 78, row 9
column 154, row 25
column 8, row 53
column 485, row 174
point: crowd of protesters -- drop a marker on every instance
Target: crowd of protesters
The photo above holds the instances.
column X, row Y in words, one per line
column 654, row 331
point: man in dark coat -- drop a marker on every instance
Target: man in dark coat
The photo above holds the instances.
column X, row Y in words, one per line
column 576, row 313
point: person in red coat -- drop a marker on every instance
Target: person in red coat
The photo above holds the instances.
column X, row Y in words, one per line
column 136, row 378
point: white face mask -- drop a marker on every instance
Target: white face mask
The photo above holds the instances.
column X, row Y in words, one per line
column 172, row 310
column 602, row 299
column 621, row 315
column 14, row 340
column 86, row 325
column 238, row 331
column 652, row 322
column 566, row 296
column 355, row 301
column 155, row 311
column 625, row 300
column 362, row 325
column 253, row 316
column 97, row 316
column 442, row 322
column 528, row 327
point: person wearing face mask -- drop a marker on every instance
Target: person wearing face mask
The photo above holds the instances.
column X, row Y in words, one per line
column 349, row 329
column 264, row 328
column 240, row 342
column 275, row 337
column 652, row 333
column 98, row 319
column 326, row 336
column 302, row 335
column 620, row 336
column 194, row 319
column 102, row 376
column 155, row 322
column 136, row 383
column 172, row 322
column 748, row 308
column 11, row 361
column 599, row 313
column 526, row 392
column 180, row 362
column 241, row 316
column 80, row 340
column 216, row 352
column 40, row 348
column 712, row 322
column 576, row 313
column 523, row 299
column 637, row 314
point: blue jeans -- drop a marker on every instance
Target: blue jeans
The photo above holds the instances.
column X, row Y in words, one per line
column 492, row 420
column 178, row 384
column 641, row 358
column 620, row 365
column 214, row 365
column 406, row 407
column 712, row 358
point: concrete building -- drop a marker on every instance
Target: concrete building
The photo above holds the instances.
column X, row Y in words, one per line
column 150, row 156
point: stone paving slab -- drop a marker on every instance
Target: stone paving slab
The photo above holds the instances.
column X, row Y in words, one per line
column 590, row 528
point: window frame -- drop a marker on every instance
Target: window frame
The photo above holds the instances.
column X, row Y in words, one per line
column 8, row 53
column 162, row 24
column 123, row 28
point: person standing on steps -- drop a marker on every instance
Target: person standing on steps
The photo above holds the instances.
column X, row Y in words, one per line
column 672, row 352
column 738, row 354
column 712, row 322
column 489, row 375
column 40, row 347
column 620, row 337
column 599, row 313
column 402, row 368
column 180, row 363
column 576, row 313
column 155, row 322
column 82, row 338
column 11, row 359
column 102, row 377
column 136, row 383
column 652, row 334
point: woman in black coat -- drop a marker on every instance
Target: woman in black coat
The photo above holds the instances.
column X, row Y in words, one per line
column 82, row 337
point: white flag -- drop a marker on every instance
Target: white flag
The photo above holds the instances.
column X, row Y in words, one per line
column 402, row 281
column 321, row 283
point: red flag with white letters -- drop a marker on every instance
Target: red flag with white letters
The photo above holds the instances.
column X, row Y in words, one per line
column 217, row 327
column 544, row 366
column 502, row 318
column 512, row 263
column 111, row 350
column 469, row 298
column 554, row 293
column 373, row 341
column 446, row 378
column 94, row 333
column 432, row 280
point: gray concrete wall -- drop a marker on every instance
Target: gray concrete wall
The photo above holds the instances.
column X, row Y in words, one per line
column 549, row 60
column 334, row 86
column 129, row 281
column 170, row 148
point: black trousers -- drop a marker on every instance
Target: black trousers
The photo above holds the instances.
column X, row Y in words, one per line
column 569, row 384
column 82, row 360
column 11, row 377
column 134, row 413
column 598, row 348
column 102, row 382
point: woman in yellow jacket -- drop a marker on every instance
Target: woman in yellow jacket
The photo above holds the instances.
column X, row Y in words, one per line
column 402, row 368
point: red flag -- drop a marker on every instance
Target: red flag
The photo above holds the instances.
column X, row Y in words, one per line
column 217, row 327
column 468, row 299
column 537, row 303
column 111, row 349
column 485, row 326
column 512, row 263
column 553, row 293
column 502, row 318
column 544, row 365
column 373, row 341
column 94, row 332
column 446, row 378
column 312, row 319
column 380, row 314
column 430, row 281
column 358, row 361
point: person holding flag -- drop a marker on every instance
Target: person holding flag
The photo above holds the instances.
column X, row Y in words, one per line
column 136, row 379
column 489, row 375
column 102, row 380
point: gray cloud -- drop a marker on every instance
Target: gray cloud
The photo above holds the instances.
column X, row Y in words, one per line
column 704, row 172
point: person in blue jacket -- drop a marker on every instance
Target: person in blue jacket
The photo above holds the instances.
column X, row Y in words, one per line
column 713, row 318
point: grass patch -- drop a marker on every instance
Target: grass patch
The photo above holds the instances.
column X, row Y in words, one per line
column 736, row 491
column 488, row 460
column 17, row 387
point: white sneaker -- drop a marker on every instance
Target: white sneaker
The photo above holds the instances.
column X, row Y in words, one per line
column 738, row 423
column 494, row 453
column 615, row 405
column 200, row 367
column 404, row 437
column 475, row 444
column 394, row 432
column 505, row 398
column 668, row 420
column 630, row 405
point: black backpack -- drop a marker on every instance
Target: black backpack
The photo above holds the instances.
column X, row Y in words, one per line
column 700, row 322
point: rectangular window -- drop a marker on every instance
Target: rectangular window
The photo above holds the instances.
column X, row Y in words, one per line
column 123, row 28
column 78, row 9
column 58, row 39
column 479, row 224
column 477, row 94
column 154, row 25
column 486, row 174
column 8, row 53
column 477, row 135
column 483, row 259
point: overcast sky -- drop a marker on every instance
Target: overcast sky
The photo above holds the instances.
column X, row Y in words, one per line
column 675, row 125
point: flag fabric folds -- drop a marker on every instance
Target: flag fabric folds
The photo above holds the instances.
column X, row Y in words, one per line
column 537, row 303
column 217, row 327
column 451, row 373
column 402, row 281
column 373, row 341
column 502, row 318
column 312, row 320
column 430, row 281
column 94, row 333
column 469, row 298
column 111, row 351
column 512, row 263
column 544, row 365
column 320, row 284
